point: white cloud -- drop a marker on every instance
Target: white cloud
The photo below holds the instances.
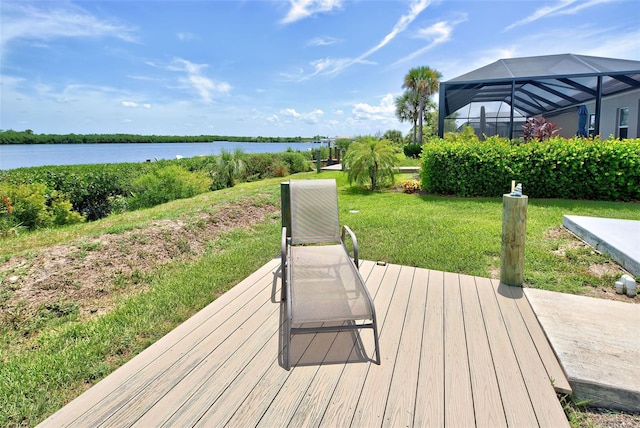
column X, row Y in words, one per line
column 311, row 117
column 385, row 111
column 290, row 112
column 27, row 22
column 301, row 9
column 196, row 80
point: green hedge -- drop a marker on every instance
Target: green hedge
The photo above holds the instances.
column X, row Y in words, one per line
column 576, row 168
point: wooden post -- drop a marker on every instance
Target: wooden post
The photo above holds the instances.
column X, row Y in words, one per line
column 514, row 231
column 285, row 206
column 318, row 161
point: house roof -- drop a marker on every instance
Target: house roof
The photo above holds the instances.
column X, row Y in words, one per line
column 541, row 84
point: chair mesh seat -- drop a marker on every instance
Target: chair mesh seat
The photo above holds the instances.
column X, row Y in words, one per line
column 327, row 286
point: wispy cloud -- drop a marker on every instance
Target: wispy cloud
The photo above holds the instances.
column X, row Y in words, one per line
column 322, row 41
column 27, row 22
column 301, row 9
column 133, row 104
column 183, row 37
column 563, row 7
column 436, row 34
column 334, row 66
column 196, row 80
column 416, row 9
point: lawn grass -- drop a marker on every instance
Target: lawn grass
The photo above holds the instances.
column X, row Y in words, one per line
column 443, row 233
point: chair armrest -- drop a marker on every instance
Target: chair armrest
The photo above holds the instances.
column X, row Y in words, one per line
column 346, row 229
column 283, row 265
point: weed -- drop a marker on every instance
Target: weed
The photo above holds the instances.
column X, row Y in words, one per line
column 13, row 318
column 576, row 411
column 183, row 245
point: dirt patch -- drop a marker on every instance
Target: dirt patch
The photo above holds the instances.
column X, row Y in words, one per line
column 606, row 418
column 567, row 241
column 87, row 275
column 568, row 245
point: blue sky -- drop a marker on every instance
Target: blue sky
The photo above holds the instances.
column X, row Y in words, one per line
column 268, row 67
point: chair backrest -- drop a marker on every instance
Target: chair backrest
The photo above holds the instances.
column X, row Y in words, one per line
column 314, row 212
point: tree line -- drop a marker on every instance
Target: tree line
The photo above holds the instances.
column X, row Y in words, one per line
column 29, row 137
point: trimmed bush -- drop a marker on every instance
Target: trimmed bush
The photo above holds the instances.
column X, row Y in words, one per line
column 557, row 168
column 412, row 150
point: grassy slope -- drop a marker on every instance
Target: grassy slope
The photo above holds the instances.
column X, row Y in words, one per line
column 450, row 234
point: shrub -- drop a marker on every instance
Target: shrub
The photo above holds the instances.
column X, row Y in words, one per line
column 228, row 168
column 54, row 195
column 264, row 165
column 537, row 128
column 29, row 204
column 281, row 171
column 557, row 168
column 166, row 184
column 61, row 210
column 32, row 206
column 89, row 188
column 412, row 150
column 295, row 162
column 410, row 186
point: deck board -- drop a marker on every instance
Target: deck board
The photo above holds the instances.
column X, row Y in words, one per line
column 430, row 393
column 400, row 407
column 457, row 383
column 456, row 350
column 484, row 384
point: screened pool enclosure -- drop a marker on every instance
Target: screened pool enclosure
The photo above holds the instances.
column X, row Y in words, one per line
column 498, row 98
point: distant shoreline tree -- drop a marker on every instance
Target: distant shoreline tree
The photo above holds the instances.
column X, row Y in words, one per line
column 28, row 137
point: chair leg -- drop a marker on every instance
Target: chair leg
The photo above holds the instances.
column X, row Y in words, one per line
column 377, row 343
column 287, row 344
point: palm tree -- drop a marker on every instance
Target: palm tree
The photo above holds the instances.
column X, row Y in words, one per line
column 407, row 109
column 370, row 159
column 228, row 168
column 425, row 82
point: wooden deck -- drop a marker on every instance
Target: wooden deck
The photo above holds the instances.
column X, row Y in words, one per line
column 456, row 351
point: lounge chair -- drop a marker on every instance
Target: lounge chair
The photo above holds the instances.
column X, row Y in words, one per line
column 322, row 287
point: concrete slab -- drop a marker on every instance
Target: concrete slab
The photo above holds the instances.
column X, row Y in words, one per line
column 618, row 238
column 597, row 344
column 334, row 167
